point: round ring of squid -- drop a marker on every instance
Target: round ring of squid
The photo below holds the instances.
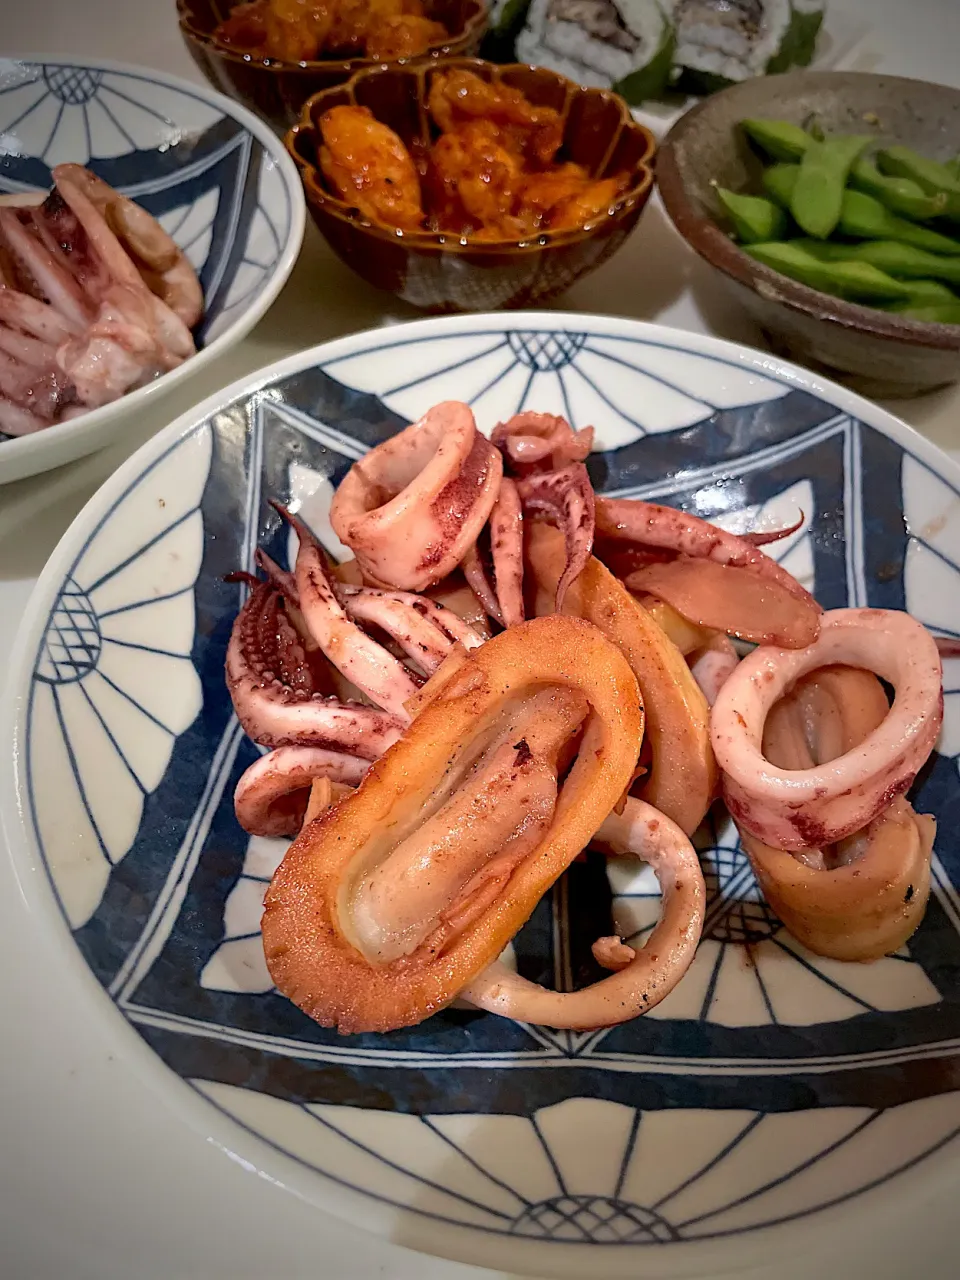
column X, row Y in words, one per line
column 807, row 808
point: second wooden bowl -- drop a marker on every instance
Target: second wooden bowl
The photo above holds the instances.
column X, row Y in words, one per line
column 442, row 273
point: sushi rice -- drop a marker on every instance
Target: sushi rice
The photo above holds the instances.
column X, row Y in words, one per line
column 627, row 44
column 642, row 47
column 720, row 42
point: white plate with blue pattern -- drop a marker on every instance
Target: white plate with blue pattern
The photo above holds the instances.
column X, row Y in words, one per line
column 213, row 174
column 772, row 1093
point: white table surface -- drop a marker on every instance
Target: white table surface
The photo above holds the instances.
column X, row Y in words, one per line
column 95, row 1183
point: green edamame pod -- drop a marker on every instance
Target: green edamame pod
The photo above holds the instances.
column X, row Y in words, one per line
column 779, row 181
column 818, row 194
column 931, row 293
column 933, row 177
column 929, row 174
column 778, row 138
column 828, row 250
column 899, row 195
column 858, row 281
column 923, row 292
column 754, row 219
column 902, row 261
column 938, row 313
column 863, row 216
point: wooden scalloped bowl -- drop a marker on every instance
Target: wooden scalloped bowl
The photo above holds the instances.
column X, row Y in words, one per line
column 441, row 273
column 277, row 90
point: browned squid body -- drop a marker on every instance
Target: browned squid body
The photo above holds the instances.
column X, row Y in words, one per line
column 401, row 898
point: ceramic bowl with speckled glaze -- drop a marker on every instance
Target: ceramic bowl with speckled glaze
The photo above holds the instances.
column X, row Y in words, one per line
column 876, row 352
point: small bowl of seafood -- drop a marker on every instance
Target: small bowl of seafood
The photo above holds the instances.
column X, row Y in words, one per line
column 830, row 203
column 464, row 186
column 145, row 226
column 272, row 55
column 489, row 817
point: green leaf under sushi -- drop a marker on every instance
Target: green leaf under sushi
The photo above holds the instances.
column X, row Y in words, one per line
column 650, row 81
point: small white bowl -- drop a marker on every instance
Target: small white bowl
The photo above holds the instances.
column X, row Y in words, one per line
column 216, row 177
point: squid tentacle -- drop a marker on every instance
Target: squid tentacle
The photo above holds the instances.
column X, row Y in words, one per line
column 665, row 528
column 357, row 656
column 567, row 497
column 641, row 978
column 426, row 631
column 272, row 795
column 274, row 712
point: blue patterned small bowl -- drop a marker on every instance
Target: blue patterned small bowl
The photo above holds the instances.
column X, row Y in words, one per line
column 212, row 173
column 772, row 1094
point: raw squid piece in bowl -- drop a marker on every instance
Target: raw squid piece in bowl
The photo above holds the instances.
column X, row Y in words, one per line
column 97, row 300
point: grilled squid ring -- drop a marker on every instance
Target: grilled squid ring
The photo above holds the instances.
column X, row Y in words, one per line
column 387, row 906
column 862, row 898
column 412, row 507
column 644, row 977
column 683, row 779
column 809, row 808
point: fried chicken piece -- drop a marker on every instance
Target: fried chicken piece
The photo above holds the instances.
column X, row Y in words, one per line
column 458, row 97
column 587, row 205
column 304, row 30
column 367, row 164
column 542, row 192
column 473, row 181
column 404, row 36
column 384, row 29
column 245, row 27
column 288, row 30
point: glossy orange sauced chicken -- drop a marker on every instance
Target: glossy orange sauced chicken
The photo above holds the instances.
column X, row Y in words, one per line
column 304, row 30
column 491, row 173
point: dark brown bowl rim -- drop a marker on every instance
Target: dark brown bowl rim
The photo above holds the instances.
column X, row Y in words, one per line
column 473, row 27
column 347, row 213
column 713, row 244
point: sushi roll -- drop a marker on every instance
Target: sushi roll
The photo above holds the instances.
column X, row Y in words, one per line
column 624, row 44
column 722, row 41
